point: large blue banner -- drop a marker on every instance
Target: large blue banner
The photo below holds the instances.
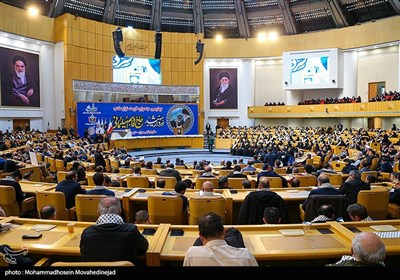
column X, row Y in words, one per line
column 142, row 119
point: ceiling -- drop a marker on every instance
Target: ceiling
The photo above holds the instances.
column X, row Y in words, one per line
column 230, row 18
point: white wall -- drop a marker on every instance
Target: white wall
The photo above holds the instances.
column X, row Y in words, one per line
column 268, row 82
column 38, row 116
column 378, row 65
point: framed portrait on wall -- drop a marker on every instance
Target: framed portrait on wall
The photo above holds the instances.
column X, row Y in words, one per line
column 19, row 78
column 223, row 88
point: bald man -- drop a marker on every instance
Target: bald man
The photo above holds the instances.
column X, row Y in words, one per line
column 367, row 249
column 207, row 189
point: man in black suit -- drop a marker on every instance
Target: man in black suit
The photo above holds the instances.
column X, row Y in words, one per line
column 10, row 165
column 252, row 209
column 352, row 186
column 171, row 172
column 99, row 159
column 324, row 188
column 13, row 181
column 110, row 239
column 70, row 187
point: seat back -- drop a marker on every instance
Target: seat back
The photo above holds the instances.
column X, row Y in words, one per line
column 8, row 201
column 374, row 164
column 366, row 173
column 137, row 182
column 258, row 165
column 224, row 172
column 274, row 182
column 146, row 171
column 57, row 199
column 86, row 206
column 306, row 181
column 334, row 179
column 394, row 211
column 61, row 176
column 199, row 206
column 338, row 202
column 197, row 172
column 280, row 170
column 236, row 183
column 170, row 182
column 60, row 165
column 166, row 209
column 201, row 180
column 376, row 202
column 90, row 264
column 89, row 179
column 52, row 162
column 126, row 170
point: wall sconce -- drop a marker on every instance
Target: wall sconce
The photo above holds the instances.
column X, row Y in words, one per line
column 71, row 110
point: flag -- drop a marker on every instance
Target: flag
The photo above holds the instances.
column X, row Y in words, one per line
column 110, row 127
column 98, row 127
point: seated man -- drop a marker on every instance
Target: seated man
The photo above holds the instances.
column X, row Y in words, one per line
column 48, row 212
column 215, row 251
column 252, row 209
column 142, row 217
column 271, row 215
column 70, row 187
column 110, row 239
column 13, row 181
column 367, row 249
column 98, row 179
column 358, row 213
column 326, row 213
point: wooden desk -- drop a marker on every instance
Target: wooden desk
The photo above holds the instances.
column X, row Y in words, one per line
column 392, row 244
column 32, row 187
column 192, row 141
column 267, row 243
column 58, row 241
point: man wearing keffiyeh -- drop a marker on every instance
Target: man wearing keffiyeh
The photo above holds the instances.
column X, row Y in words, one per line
column 110, row 239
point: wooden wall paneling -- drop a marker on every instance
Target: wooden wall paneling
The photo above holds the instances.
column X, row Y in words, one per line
column 91, row 56
column 175, row 78
column 167, row 49
column 99, row 73
column 166, row 64
column 175, row 50
column 99, row 41
column 99, row 57
column 83, row 53
column 107, row 74
column 91, row 44
column 166, row 77
column 84, row 71
column 75, row 54
column 91, row 72
column 182, row 50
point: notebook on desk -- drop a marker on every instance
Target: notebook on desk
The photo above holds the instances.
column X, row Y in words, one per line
column 43, row 227
column 291, row 232
column 384, row 228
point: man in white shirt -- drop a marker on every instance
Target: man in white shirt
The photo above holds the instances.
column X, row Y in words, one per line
column 215, row 251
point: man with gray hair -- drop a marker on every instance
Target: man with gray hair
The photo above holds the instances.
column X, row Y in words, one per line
column 110, row 239
column 324, row 188
column 352, row 186
column 367, row 249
